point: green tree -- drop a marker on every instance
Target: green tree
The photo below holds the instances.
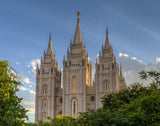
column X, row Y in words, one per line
column 59, row 120
column 11, row 111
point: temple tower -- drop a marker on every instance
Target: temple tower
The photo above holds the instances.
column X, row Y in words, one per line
column 48, row 87
column 76, row 75
column 107, row 73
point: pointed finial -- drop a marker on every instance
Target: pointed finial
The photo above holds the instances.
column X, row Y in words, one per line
column 49, row 49
column 100, row 55
column 78, row 14
column 68, row 51
column 50, row 37
column 63, row 59
column 107, row 32
column 70, row 42
column 78, row 36
column 107, row 44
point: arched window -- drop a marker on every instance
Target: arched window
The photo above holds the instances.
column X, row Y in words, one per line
column 106, row 85
column 44, row 103
column 74, row 107
column 74, row 84
column 45, row 89
column 44, row 116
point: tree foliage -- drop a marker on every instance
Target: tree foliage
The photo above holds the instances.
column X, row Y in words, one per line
column 59, row 120
column 11, row 111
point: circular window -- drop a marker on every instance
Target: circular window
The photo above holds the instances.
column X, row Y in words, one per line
column 60, row 99
column 92, row 98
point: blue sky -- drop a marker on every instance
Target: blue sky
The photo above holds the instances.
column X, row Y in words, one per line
column 134, row 31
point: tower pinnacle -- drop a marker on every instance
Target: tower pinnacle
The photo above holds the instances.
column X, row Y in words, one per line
column 78, row 14
column 78, row 36
column 49, row 49
column 107, row 43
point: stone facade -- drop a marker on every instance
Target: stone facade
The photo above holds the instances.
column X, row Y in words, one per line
column 77, row 94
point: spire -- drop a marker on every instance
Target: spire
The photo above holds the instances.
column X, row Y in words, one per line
column 57, row 63
column 107, row 43
column 78, row 36
column 64, row 60
column 102, row 46
column 121, row 71
column 68, row 51
column 41, row 61
column 49, row 49
column 70, row 43
column 100, row 56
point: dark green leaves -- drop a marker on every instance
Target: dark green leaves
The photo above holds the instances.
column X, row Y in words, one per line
column 11, row 111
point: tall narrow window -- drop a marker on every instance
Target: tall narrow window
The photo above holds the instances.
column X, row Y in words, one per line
column 106, row 85
column 45, row 103
column 44, row 116
column 45, row 89
column 74, row 84
column 74, row 107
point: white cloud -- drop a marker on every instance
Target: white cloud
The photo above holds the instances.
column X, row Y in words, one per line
column 134, row 58
column 28, row 65
column 31, row 109
column 131, row 66
column 29, row 105
column 158, row 59
column 123, row 55
column 24, row 79
column 32, row 92
column 23, row 88
column 34, row 65
column 30, row 85
column 17, row 63
column 97, row 55
column 138, row 60
column 27, row 89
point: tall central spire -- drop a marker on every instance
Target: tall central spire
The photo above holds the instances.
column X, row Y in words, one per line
column 107, row 43
column 49, row 49
column 78, row 36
